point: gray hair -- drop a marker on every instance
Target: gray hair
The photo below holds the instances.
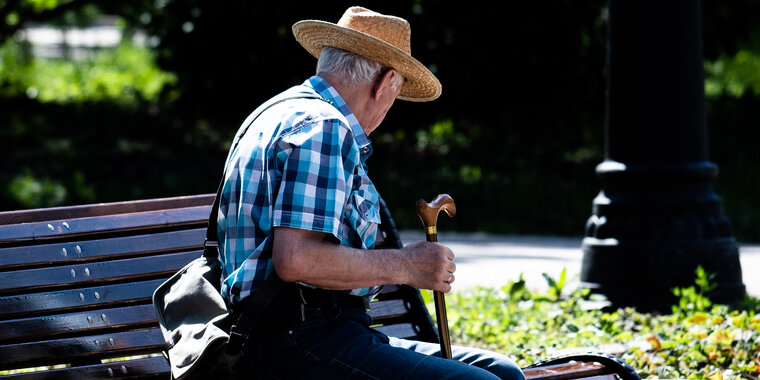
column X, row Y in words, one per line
column 352, row 68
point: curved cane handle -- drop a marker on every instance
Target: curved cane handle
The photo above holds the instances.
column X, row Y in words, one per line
column 428, row 212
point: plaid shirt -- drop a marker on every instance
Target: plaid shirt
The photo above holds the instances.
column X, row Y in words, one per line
column 301, row 164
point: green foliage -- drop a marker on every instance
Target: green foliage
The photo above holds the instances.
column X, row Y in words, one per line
column 42, row 5
column 698, row 340
column 30, row 191
column 556, row 286
column 34, row 193
column 733, row 75
column 125, row 75
column 694, row 299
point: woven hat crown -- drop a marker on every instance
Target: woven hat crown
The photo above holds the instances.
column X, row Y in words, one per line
column 391, row 29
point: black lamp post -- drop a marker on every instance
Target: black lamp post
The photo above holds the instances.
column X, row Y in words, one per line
column 657, row 216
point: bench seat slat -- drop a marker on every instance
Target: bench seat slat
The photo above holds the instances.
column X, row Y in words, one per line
column 91, row 321
column 16, row 282
column 73, row 299
column 57, row 229
column 102, row 248
column 65, row 350
column 152, row 367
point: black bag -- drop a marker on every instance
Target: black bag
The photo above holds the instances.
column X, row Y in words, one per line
column 194, row 320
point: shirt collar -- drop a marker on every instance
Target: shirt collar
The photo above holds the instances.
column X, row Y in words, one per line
column 327, row 91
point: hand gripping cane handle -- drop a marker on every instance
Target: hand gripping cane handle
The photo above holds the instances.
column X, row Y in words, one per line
column 428, row 213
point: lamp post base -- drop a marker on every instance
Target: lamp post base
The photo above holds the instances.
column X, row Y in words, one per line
column 643, row 274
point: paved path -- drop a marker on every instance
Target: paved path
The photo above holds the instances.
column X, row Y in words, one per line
column 494, row 260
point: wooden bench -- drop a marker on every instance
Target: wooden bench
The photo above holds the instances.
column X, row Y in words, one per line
column 76, row 286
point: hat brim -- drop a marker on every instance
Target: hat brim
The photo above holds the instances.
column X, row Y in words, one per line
column 420, row 84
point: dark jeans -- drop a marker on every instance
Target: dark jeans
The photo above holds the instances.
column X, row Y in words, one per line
column 338, row 344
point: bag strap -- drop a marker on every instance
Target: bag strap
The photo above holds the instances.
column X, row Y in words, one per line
column 255, row 306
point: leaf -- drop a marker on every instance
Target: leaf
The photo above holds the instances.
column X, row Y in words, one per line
column 549, row 280
column 562, row 279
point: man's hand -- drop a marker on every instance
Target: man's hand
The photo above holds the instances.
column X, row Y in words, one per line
column 429, row 266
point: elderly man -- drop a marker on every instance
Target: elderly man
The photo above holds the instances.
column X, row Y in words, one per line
column 297, row 202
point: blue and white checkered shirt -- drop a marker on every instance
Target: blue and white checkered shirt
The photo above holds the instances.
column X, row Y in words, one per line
column 301, row 164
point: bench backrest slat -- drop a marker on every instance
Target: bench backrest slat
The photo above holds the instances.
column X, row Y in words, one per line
column 31, row 329
column 386, row 310
column 121, row 223
column 415, row 320
column 78, row 299
column 89, row 273
column 82, row 347
column 113, row 208
column 141, row 368
column 402, row 330
column 100, row 249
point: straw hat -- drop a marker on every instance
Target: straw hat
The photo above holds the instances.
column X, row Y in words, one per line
column 381, row 38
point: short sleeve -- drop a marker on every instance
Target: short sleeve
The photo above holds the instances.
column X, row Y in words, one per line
column 317, row 161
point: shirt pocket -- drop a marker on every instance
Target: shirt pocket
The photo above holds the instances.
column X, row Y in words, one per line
column 363, row 216
column 367, row 207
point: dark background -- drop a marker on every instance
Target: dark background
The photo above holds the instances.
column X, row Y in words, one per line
column 514, row 138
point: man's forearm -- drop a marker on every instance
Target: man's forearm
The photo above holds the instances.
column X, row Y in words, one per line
column 305, row 256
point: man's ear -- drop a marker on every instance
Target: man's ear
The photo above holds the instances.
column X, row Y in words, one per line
column 383, row 83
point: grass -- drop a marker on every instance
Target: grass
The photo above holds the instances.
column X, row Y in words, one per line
column 697, row 340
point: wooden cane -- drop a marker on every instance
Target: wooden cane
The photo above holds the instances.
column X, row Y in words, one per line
column 428, row 213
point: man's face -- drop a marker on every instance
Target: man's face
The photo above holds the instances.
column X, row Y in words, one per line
column 386, row 95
